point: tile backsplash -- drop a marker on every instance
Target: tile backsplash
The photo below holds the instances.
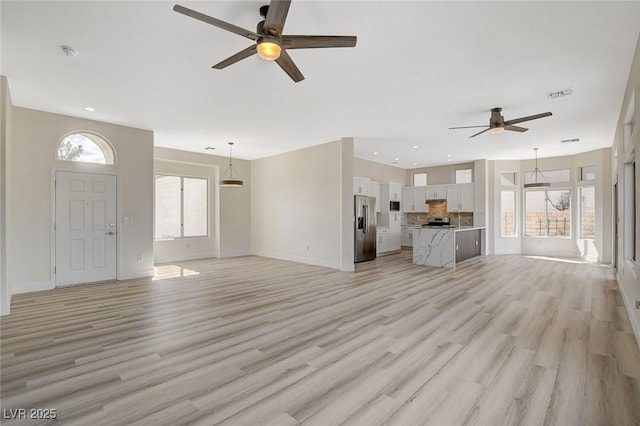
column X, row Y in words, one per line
column 439, row 210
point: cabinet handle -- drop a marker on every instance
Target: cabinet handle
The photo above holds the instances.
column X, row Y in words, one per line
column 456, row 247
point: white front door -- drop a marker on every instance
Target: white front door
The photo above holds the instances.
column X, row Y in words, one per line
column 85, row 228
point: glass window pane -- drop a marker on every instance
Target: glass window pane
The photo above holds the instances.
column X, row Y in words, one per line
column 559, row 213
column 587, row 212
column 419, row 179
column 508, row 178
column 167, row 207
column 550, row 176
column 588, row 173
column 77, row 147
column 464, row 176
column 535, row 220
column 195, row 207
column 508, row 213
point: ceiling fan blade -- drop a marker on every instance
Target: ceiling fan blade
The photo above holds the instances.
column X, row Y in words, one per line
column 251, row 50
column 465, row 127
column 313, row 42
column 287, row 64
column 479, row 133
column 527, row 118
column 515, row 128
column 216, row 22
column 276, row 16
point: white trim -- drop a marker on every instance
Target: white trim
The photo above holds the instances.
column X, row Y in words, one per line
column 33, row 286
column 186, row 257
column 234, row 253
column 131, row 275
column 306, row 260
column 629, row 308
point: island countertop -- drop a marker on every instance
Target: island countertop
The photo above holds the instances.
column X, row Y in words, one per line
column 436, row 245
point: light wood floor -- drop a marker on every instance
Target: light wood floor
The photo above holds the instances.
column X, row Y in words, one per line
column 255, row 341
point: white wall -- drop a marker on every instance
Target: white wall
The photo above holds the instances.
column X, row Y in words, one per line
column 297, row 202
column 378, row 172
column 628, row 271
column 5, row 136
column 439, row 175
column 230, row 208
column 34, row 139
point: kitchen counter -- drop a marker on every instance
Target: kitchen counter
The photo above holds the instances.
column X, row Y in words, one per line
column 444, row 246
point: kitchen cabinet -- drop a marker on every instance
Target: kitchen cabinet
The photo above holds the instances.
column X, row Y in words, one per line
column 394, row 191
column 382, row 243
column 406, row 236
column 436, row 192
column 374, row 191
column 413, row 199
column 395, row 230
column 468, row 244
column 461, row 197
column 360, row 186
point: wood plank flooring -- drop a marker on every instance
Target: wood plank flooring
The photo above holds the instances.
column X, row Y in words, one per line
column 253, row 341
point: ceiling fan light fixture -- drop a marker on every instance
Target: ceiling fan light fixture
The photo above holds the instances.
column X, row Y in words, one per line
column 269, row 48
column 496, row 130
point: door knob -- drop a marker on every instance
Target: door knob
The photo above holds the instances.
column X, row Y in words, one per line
column 109, row 233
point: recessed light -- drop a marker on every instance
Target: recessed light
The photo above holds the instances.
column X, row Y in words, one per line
column 415, row 164
column 69, row 51
column 448, row 159
column 91, row 109
column 415, row 147
column 375, row 153
column 396, row 159
column 449, row 155
column 570, row 140
column 210, row 147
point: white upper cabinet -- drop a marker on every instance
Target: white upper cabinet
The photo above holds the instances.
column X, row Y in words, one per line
column 413, row 199
column 360, row 186
column 374, row 191
column 461, row 197
column 434, row 192
column 395, row 192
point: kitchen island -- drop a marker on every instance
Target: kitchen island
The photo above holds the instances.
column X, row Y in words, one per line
column 445, row 246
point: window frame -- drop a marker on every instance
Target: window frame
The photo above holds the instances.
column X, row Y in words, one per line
column 413, row 178
column 546, row 212
column 581, row 211
column 108, row 152
column 515, row 212
column 182, row 215
column 455, row 175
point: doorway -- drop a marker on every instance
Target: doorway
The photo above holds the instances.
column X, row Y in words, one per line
column 85, row 228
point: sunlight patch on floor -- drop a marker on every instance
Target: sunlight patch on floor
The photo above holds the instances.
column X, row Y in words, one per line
column 164, row 272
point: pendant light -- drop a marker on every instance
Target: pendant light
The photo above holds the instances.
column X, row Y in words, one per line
column 536, row 172
column 230, row 182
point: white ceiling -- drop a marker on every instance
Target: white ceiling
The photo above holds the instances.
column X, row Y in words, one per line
column 419, row 67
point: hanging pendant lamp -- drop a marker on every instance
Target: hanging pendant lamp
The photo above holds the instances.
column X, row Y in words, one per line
column 230, row 182
column 536, row 172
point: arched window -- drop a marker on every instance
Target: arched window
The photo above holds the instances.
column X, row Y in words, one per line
column 85, row 147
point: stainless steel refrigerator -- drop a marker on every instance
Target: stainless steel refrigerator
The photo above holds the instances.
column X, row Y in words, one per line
column 365, row 228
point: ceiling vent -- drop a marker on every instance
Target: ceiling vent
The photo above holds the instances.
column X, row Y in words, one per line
column 559, row 93
column 69, row 51
column 570, row 140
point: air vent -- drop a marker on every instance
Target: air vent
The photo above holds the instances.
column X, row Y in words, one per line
column 209, row 147
column 69, row 51
column 570, row 140
column 559, row 93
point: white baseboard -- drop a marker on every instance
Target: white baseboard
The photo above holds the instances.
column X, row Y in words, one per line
column 305, row 260
column 630, row 308
column 131, row 275
column 507, row 252
column 32, row 286
column 235, row 253
column 159, row 259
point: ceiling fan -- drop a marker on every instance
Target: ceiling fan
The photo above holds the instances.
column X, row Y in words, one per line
column 498, row 125
column 270, row 43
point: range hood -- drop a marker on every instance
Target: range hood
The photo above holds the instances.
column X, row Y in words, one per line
column 436, row 201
